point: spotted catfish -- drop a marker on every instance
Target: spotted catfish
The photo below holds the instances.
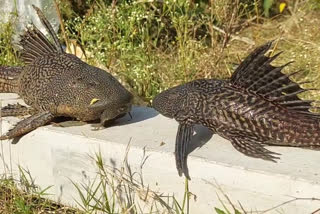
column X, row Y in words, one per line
column 256, row 107
column 54, row 83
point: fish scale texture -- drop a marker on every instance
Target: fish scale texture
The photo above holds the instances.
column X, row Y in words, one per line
column 64, row 85
column 256, row 107
column 252, row 116
column 55, row 83
column 8, row 78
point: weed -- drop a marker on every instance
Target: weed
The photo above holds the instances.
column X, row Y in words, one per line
column 8, row 53
column 24, row 197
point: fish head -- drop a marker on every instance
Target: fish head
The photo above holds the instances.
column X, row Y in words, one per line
column 99, row 94
column 111, row 111
column 172, row 102
column 184, row 102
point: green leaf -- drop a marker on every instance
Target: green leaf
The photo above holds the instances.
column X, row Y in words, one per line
column 218, row 211
column 266, row 6
column 237, row 211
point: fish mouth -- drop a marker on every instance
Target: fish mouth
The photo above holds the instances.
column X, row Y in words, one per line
column 108, row 116
column 105, row 122
column 110, row 111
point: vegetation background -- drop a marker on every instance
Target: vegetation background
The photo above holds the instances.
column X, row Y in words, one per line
column 151, row 45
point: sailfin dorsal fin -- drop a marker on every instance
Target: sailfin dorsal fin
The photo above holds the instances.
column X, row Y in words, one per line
column 35, row 44
column 255, row 59
column 257, row 75
column 49, row 28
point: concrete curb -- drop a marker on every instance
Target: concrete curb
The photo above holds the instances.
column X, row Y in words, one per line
column 55, row 155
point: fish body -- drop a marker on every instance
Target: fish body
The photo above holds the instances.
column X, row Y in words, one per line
column 65, row 86
column 54, row 83
column 227, row 109
column 256, row 107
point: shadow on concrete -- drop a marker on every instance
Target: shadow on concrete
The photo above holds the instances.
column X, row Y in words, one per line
column 201, row 137
column 138, row 114
column 67, row 122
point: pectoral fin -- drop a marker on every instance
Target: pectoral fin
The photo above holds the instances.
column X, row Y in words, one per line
column 184, row 134
column 28, row 124
column 254, row 149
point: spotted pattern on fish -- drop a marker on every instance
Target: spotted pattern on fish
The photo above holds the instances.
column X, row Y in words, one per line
column 256, row 107
column 55, row 84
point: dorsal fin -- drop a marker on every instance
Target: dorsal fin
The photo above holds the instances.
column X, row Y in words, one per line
column 35, row 44
column 257, row 75
column 49, row 28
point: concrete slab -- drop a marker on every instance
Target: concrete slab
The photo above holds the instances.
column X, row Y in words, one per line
column 55, row 155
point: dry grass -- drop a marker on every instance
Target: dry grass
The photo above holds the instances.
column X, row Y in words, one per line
column 114, row 190
column 298, row 37
column 149, row 63
column 15, row 200
column 151, row 50
column 192, row 44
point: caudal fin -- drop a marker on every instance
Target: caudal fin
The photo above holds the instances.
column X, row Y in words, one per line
column 9, row 79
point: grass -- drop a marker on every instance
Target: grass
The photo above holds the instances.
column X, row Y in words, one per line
column 114, row 190
column 8, row 53
column 122, row 190
column 151, row 46
column 21, row 198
